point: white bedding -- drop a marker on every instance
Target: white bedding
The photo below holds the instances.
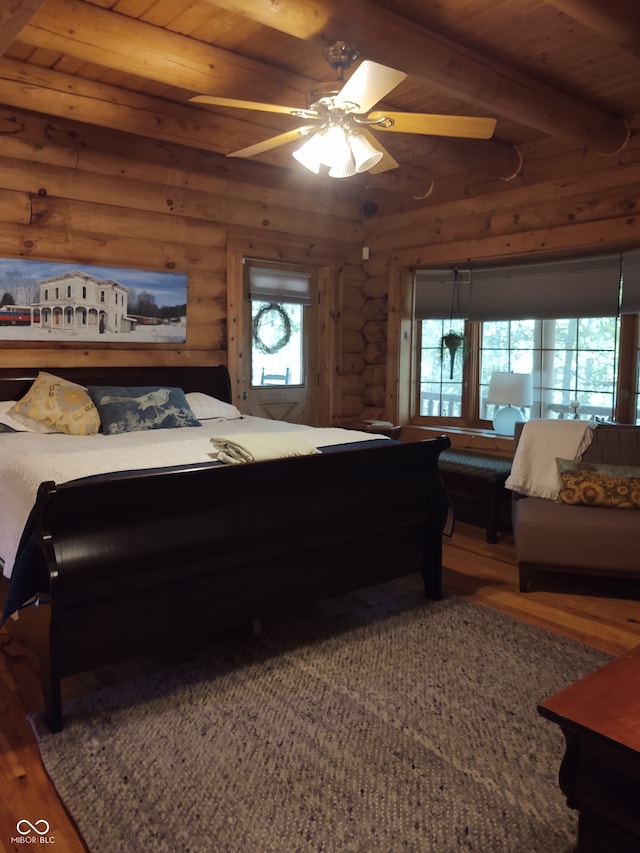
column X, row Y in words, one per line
column 28, row 459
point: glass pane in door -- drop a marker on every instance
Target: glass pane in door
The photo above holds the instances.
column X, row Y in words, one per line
column 277, row 343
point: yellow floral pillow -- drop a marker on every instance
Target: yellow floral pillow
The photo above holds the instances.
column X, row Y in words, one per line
column 57, row 405
column 589, row 484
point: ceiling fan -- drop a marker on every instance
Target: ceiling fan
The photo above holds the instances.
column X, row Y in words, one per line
column 342, row 118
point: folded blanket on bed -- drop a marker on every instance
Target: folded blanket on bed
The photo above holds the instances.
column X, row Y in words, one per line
column 256, row 447
column 534, row 470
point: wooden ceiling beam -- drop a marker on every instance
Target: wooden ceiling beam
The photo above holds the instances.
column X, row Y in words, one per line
column 115, row 41
column 617, row 20
column 14, row 15
column 48, row 92
column 441, row 64
column 101, row 37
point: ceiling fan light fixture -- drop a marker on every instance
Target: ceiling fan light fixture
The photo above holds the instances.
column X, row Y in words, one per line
column 338, row 109
column 365, row 155
column 330, row 148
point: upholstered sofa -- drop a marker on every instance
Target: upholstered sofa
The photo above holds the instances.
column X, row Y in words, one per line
column 553, row 538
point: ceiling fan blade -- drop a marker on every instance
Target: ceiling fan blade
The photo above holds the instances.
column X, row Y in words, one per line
column 272, row 142
column 368, row 84
column 387, row 163
column 215, row 101
column 468, row 127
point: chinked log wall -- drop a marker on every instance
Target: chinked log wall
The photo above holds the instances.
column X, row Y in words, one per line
column 67, row 194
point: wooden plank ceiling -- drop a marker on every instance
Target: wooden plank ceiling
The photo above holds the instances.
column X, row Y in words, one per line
column 563, row 72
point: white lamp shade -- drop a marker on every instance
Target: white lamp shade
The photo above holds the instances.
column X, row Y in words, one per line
column 510, row 389
column 365, row 154
column 344, row 168
column 310, row 153
column 337, row 153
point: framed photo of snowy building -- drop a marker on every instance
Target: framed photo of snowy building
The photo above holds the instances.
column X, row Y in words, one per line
column 48, row 301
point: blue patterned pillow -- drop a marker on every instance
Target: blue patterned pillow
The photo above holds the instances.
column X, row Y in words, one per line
column 144, row 407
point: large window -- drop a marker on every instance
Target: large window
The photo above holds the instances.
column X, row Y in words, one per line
column 573, row 363
column 580, row 365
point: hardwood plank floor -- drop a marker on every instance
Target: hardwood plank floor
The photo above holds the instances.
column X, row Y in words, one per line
column 473, row 569
column 487, row 574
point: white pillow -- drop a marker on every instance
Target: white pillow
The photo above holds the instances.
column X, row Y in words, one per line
column 205, row 407
column 22, row 424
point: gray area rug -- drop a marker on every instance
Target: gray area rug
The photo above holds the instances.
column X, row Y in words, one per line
column 396, row 724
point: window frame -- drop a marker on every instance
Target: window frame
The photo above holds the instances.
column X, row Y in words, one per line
column 626, row 392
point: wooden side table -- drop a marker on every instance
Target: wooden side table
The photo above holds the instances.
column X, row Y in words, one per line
column 374, row 426
column 600, row 772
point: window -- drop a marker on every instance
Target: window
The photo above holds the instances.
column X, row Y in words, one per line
column 276, row 352
column 521, row 319
column 441, row 369
column 278, row 295
column 573, row 363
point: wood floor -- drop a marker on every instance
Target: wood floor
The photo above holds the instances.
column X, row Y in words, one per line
column 473, row 569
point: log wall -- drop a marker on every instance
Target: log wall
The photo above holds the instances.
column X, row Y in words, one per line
column 72, row 193
column 561, row 202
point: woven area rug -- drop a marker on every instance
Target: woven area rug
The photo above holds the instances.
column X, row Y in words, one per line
column 394, row 724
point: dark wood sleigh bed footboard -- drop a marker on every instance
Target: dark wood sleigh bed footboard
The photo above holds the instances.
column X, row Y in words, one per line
column 132, row 562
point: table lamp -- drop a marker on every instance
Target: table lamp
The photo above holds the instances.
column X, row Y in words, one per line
column 512, row 391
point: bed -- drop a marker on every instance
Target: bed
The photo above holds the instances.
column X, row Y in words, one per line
column 127, row 562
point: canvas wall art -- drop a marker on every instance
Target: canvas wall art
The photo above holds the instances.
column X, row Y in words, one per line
column 51, row 301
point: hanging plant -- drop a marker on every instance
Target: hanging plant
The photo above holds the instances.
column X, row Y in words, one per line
column 451, row 343
column 269, row 317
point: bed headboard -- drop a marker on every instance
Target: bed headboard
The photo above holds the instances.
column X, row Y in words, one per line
column 15, row 381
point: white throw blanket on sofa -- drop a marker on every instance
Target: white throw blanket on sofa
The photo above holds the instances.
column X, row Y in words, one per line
column 534, row 470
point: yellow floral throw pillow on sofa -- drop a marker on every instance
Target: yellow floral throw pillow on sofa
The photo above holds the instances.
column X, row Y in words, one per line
column 591, row 484
column 57, row 405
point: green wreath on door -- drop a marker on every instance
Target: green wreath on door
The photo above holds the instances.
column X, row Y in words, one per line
column 267, row 317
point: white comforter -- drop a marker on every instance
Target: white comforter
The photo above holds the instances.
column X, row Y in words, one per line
column 28, row 459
